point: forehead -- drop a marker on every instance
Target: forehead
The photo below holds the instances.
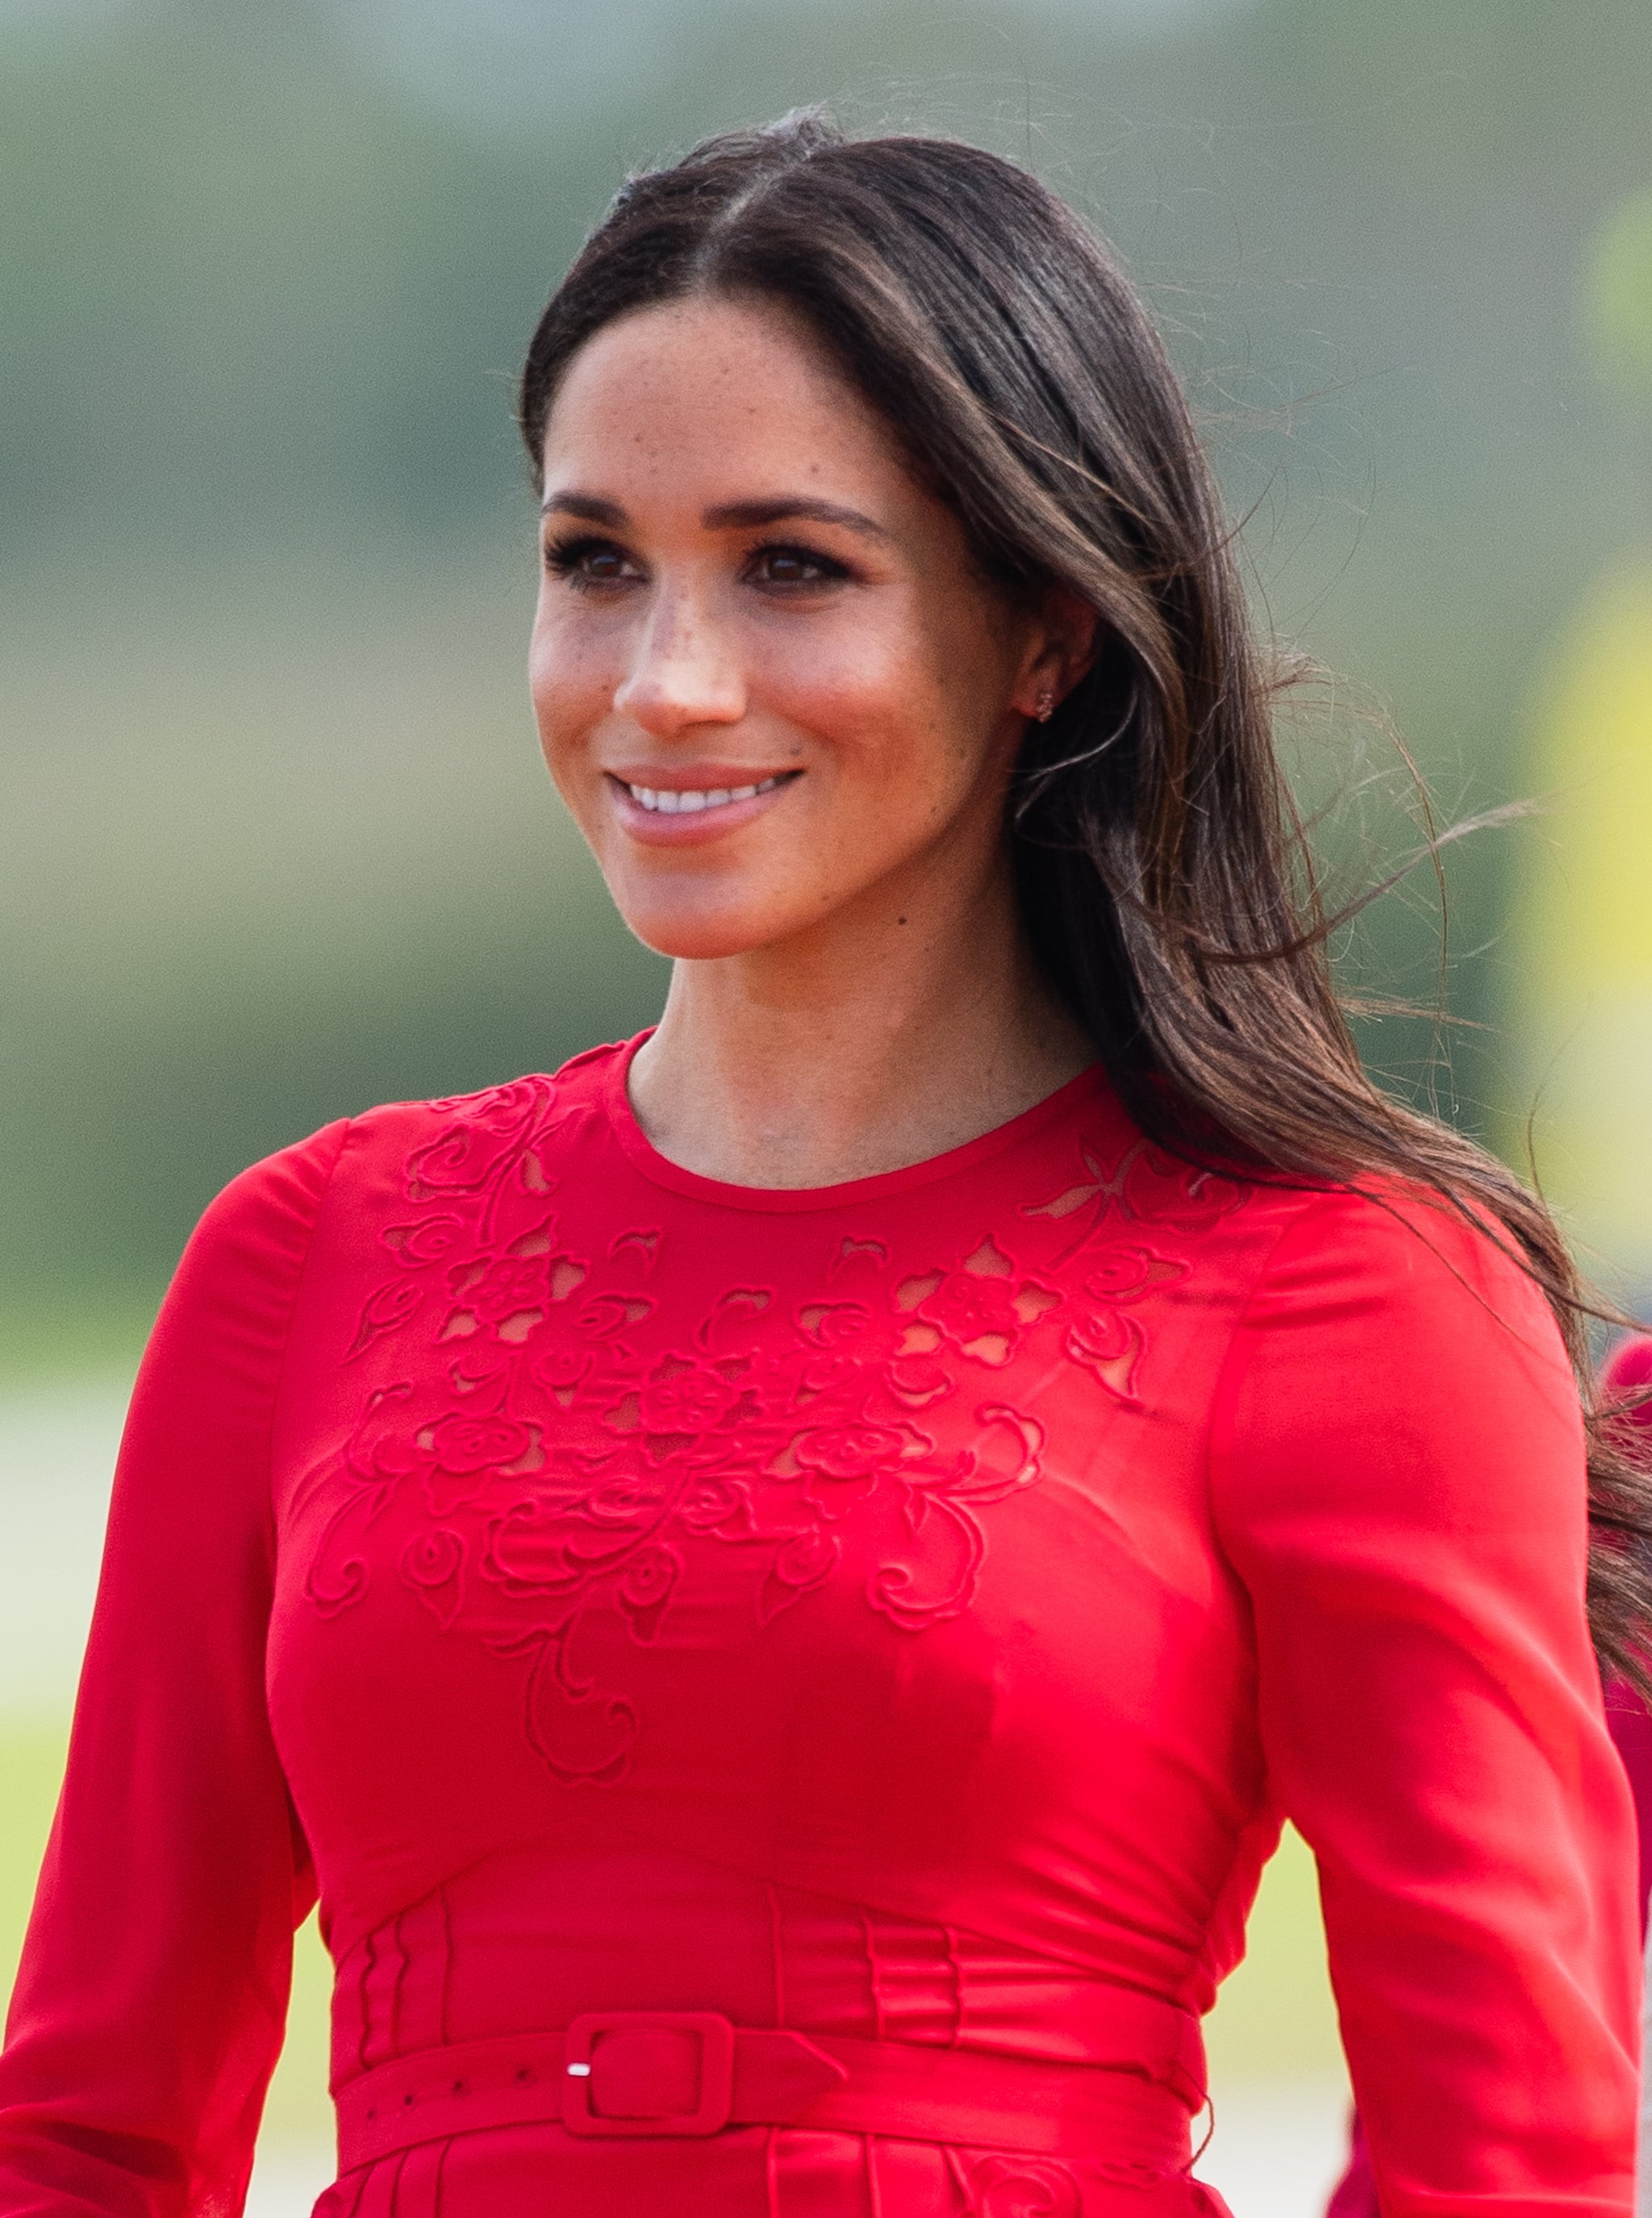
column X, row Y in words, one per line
column 714, row 388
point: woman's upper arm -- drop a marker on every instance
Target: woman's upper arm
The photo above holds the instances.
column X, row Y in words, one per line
column 1399, row 1481
column 149, row 2007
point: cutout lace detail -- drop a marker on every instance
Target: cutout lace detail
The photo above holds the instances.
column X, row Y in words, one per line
column 578, row 1455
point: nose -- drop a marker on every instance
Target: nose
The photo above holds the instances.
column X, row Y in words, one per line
column 684, row 672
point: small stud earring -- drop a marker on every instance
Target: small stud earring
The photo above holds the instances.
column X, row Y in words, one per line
column 1045, row 708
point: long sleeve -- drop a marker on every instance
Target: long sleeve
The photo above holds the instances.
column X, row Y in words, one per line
column 1399, row 1481
column 149, row 2009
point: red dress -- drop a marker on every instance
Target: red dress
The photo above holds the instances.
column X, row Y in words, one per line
column 785, row 1696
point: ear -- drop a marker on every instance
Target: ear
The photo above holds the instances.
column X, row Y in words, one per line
column 1060, row 648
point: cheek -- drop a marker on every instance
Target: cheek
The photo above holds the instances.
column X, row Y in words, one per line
column 866, row 688
column 571, row 687
column 908, row 722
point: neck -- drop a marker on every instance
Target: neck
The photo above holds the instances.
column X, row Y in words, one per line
column 878, row 1042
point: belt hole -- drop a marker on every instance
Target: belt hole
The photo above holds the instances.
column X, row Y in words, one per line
column 579, row 2071
column 522, row 2076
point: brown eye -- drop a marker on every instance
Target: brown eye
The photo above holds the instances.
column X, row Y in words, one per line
column 591, row 562
column 788, row 569
column 794, row 566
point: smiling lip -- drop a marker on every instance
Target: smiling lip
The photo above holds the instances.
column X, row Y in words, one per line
column 687, row 800
column 661, row 805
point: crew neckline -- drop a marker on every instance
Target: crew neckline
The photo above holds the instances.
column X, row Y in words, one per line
column 1089, row 1084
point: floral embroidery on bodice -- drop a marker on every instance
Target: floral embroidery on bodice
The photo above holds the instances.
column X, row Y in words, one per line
column 577, row 1440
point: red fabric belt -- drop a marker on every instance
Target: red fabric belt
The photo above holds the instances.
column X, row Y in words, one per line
column 625, row 2073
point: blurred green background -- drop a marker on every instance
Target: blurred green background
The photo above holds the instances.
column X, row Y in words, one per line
column 274, row 840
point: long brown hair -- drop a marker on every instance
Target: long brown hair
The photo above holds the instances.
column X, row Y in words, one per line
column 1163, row 874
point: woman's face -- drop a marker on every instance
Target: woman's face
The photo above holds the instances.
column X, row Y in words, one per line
column 769, row 685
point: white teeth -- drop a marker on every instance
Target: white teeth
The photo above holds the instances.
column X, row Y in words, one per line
column 666, row 801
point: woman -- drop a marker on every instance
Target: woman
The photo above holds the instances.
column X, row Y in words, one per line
column 780, row 1582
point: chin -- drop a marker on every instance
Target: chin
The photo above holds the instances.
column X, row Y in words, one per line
column 707, row 935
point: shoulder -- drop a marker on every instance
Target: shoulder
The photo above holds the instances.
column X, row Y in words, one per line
column 267, row 1212
column 435, row 1139
column 227, row 1310
column 1394, row 1349
column 410, row 1151
column 514, row 1105
column 1399, row 1260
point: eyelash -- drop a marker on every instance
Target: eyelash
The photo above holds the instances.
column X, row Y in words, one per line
column 563, row 558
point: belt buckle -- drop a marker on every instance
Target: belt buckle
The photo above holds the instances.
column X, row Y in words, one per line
column 583, row 2072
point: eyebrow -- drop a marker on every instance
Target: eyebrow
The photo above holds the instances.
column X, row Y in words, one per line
column 585, row 505
column 752, row 515
column 729, row 515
